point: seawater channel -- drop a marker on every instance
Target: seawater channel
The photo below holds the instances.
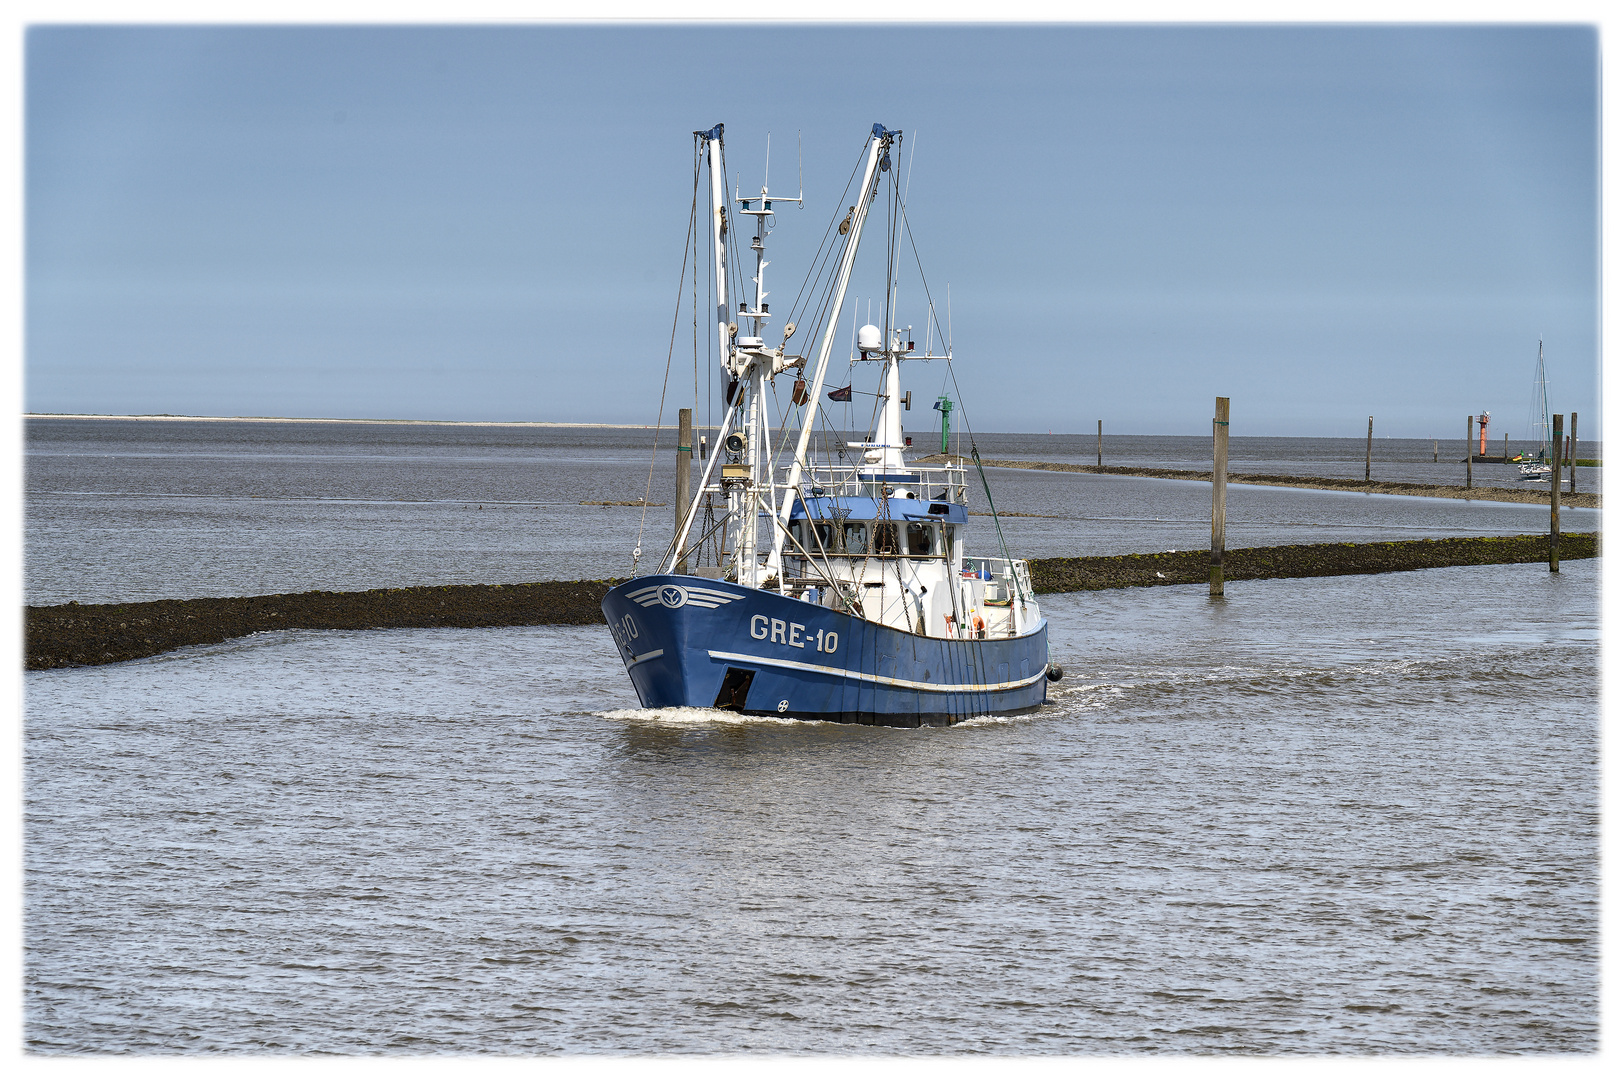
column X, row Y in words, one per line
column 1351, row 815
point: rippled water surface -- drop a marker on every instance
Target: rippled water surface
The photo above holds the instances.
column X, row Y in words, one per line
column 1335, row 815
column 1312, row 818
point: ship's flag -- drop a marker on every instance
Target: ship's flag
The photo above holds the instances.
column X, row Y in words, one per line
column 843, row 394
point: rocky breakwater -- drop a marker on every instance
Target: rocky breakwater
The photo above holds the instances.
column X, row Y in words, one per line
column 1299, row 560
column 68, row 635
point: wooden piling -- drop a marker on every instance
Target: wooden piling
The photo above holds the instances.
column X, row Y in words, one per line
column 1507, row 447
column 1220, row 480
column 1555, row 500
column 684, row 478
column 1434, row 451
column 1369, row 441
column 1572, row 436
column 1101, row 444
column 1468, row 420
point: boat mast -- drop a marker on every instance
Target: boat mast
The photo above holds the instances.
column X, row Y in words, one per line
column 1543, row 407
column 748, row 363
column 718, row 233
column 889, row 431
column 878, row 143
column 739, row 398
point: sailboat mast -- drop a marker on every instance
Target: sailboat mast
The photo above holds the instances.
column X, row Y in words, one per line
column 1543, row 405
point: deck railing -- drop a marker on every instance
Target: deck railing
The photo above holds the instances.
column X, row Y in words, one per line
column 1006, row 570
column 847, row 480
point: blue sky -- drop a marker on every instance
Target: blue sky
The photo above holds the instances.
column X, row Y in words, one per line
column 1322, row 223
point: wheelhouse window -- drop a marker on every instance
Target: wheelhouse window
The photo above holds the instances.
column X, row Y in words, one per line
column 911, row 539
column 815, row 536
column 921, row 538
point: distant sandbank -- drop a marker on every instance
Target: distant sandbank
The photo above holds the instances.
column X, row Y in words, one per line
column 1539, row 493
column 341, row 420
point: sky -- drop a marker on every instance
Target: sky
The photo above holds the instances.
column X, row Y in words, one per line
column 1323, row 223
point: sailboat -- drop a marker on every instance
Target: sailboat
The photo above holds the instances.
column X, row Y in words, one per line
column 1540, row 467
column 842, row 588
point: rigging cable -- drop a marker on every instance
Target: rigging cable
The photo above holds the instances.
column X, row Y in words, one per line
column 817, row 315
column 676, row 318
column 814, row 266
column 997, row 523
column 963, row 410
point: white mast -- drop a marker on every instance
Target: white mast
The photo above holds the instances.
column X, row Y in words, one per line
column 718, row 235
column 889, row 430
column 748, row 363
column 879, row 141
column 742, row 402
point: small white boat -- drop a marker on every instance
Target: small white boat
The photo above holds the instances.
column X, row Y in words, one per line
column 1535, row 470
column 1540, row 467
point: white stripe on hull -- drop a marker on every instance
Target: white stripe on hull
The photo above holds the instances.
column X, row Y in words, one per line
column 905, row 684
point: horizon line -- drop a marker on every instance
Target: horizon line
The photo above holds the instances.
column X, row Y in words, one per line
column 325, row 420
column 644, row 427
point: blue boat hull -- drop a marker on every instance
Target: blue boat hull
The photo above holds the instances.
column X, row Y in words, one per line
column 698, row 642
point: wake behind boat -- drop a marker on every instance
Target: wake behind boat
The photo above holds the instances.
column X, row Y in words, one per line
column 840, row 586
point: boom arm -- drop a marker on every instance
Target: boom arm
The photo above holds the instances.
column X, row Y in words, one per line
column 879, row 141
column 718, row 236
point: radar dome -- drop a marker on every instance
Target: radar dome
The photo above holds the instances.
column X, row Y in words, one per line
column 868, row 338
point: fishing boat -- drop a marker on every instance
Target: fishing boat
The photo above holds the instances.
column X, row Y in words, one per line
column 1539, row 467
column 830, row 580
